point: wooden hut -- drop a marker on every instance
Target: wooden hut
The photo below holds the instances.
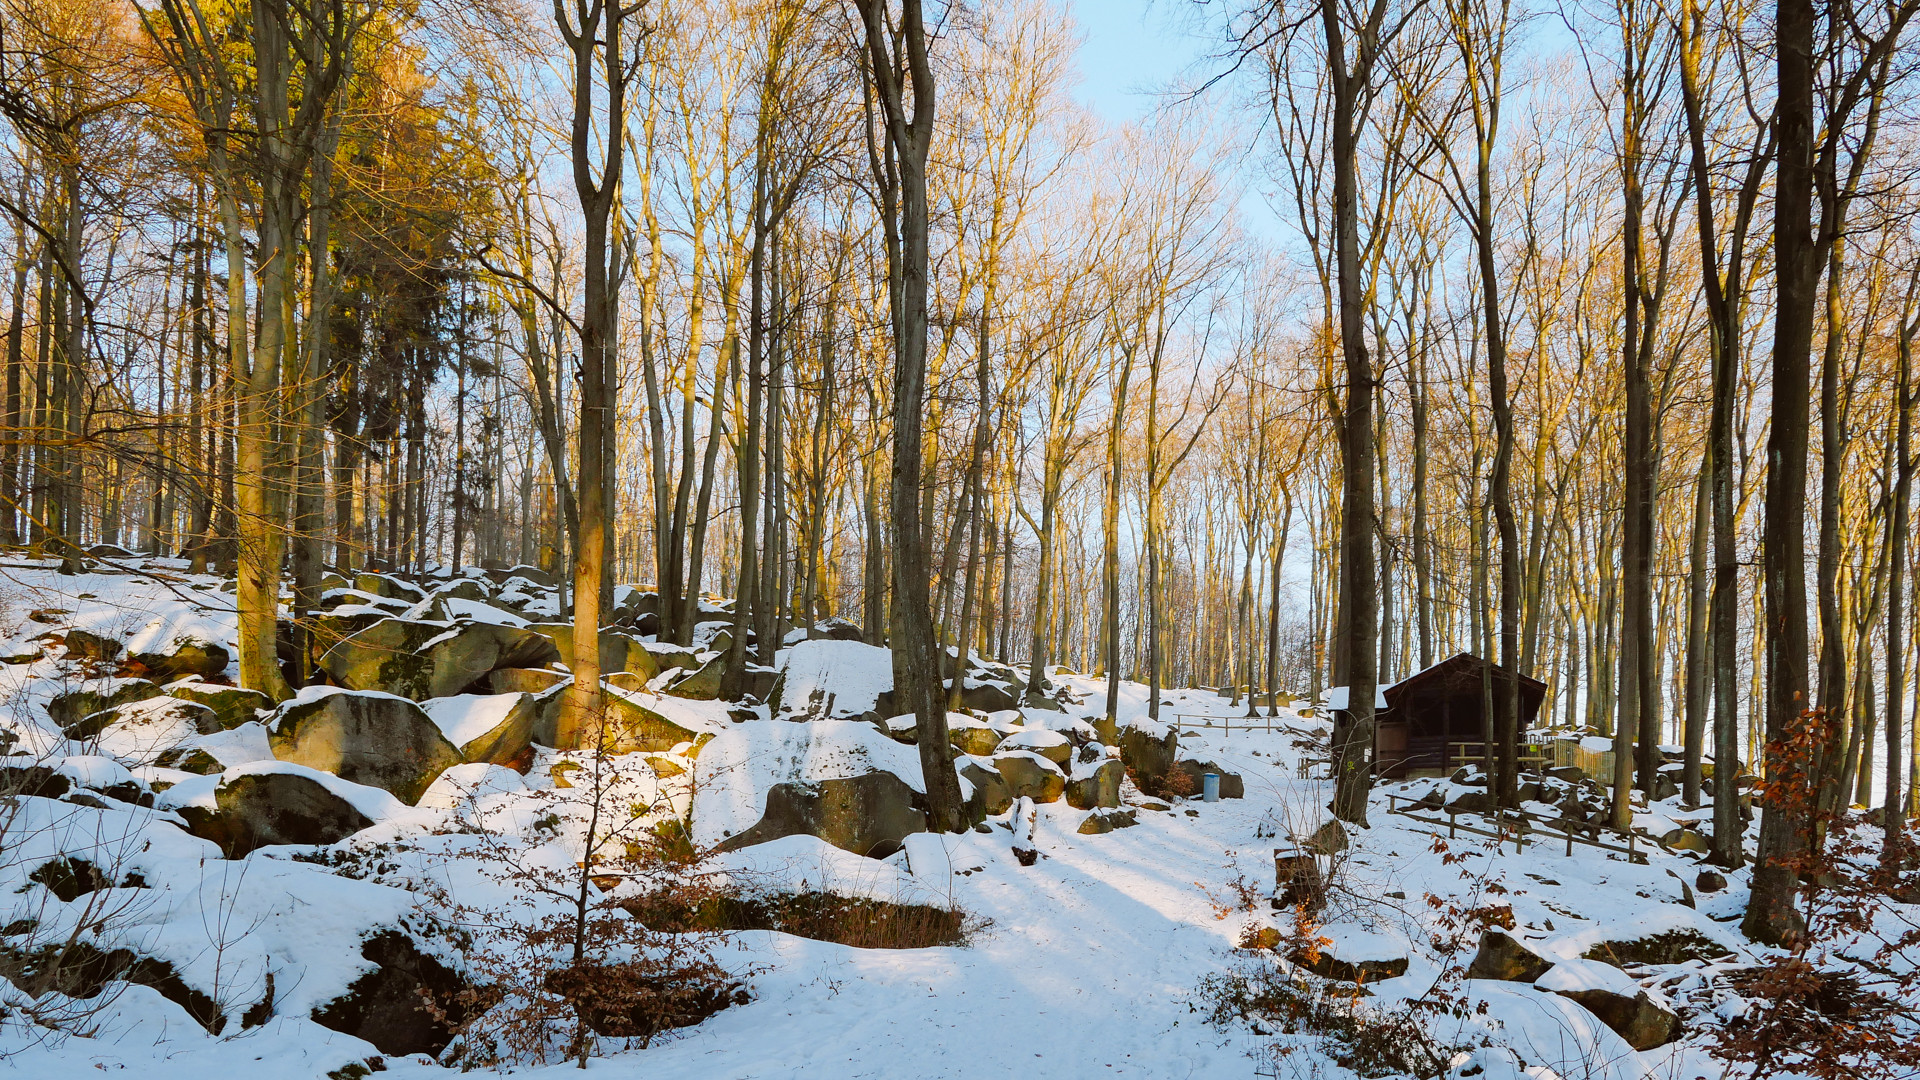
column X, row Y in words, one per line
column 1444, row 704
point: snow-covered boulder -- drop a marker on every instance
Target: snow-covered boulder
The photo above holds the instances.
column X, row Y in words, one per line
column 1623, row 1005
column 494, row 728
column 833, row 680
column 1148, row 749
column 71, row 708
column 1504, row 957
column 1051, row 745
column 969, row 735
column 184, row 656
column 465, row 783
column 841, row 781
column 1030, row 775
column 139, row 732
column 1095, row 784
column 989, row 795
column 276, row 802
column 618, row 651
column 231, row 705
column 380, row 740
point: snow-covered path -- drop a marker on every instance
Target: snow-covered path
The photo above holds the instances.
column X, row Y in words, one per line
column 1086, row 969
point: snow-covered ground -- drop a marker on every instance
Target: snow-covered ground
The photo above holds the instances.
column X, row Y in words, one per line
column 1089, row 963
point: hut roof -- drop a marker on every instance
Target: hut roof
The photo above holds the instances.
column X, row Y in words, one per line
column 1461, row 674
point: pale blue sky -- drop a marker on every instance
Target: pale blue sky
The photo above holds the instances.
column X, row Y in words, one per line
column 1131, row 49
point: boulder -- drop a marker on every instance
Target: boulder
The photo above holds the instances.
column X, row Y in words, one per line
column 1096, row 785
column 868, row 815
column 1148, row 754
column 1104, row 821
column 70, row 709
column 838, row 629
column 670, row 657
column 1572, row 774
column 1685, row 840
column 1616, row 1000
column 231, row 705
column 383, row 1006
column 1031, row 776
column 187, row 657
column 831, row 679
column 258, row 809
column 1051, row 745
column 990, row 796
column 1675, row 946
column 492, row 728
column 1477, row 802
column 1232, row 786
column 988, row 696
column 524, row 680
column 702, row 684
column 387, row 587
column 379, row 740
column 1505, row 957
column 618, row 651
column 1710, row 881
column 422, row 660
column 326, row 630
column 635, row 726
column 1664, row 788
column 86, row 645
column 971, row 736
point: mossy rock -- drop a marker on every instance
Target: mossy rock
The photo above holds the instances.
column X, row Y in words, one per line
column 188, row 657
column 1147, row 757
column 1030, row 775
column 1098, row 789
column 618, row 651
column 990, row 796
column 258, row 810
column 525, row 680
column 389, row 587
column 701, row 685
column 86, row 645
column 632, row 726
column 972, row 738
column 374, row 739
column 70, row 709
column 231, row 705
column 420, row 660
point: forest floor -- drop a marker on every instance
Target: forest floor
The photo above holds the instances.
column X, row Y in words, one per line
column 1106, row 958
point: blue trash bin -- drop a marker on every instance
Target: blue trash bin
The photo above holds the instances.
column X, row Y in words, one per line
column 1210, row 787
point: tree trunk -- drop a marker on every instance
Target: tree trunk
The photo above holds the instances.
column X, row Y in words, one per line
column 1771, row 914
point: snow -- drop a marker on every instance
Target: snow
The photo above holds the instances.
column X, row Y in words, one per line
column 375, row 804
column 467, row 717
column 852, row 673
column 1088, row 963
column 1033, row 739
column 462, row 784
column 1336, row 698
column 735, row 770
